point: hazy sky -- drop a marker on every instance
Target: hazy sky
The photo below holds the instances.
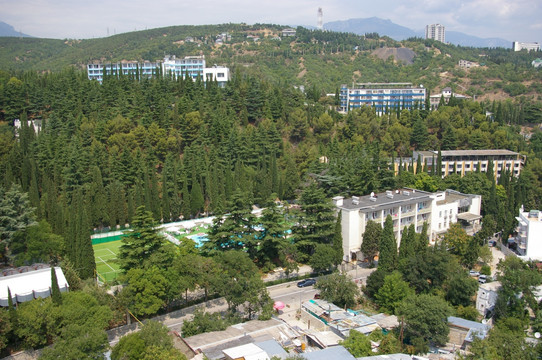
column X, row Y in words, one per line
column 508, row 19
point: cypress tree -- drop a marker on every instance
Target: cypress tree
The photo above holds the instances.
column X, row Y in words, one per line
column 490, row 171
column 408, row 243
column 12, row 311
column 55, row 290
column 439, row 163
column 422, row 239
column 387, row 259
column 338, row 240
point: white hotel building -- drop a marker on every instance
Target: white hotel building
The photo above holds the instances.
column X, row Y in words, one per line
column 406, row 206
column 529, row 234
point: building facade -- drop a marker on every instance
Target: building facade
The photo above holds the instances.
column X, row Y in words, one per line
column 143, row 70
column 406, row 207
column 435, row 32
column 486, row 298
column 529, row 234
column 529, row 46
column 464, row 161
column 191, row 66
column 382, row 96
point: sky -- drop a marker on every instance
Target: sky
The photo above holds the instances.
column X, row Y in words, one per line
column 513, row 20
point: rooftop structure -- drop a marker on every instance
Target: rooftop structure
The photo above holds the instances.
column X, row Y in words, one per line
column 466, row 330
column 529, row 234
column 465, row 64
column 406, row 207
column 382, row 96
column 335, row 352
column 435, row 32
column 387, row 357
column 529, row 46
column 536, row 63
column 29, row 282
column 464, row 161
column 338, row 320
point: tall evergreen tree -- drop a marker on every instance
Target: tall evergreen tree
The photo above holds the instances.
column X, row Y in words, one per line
column 55, row 290
column 407, row 246
column 387, row 259
column 140, row 242
column 338, row 241
column 371, row 240
column 316, row 222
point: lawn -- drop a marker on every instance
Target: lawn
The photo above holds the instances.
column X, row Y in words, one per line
column 107, row 266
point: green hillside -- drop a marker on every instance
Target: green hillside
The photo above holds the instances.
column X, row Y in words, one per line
column 323, row 60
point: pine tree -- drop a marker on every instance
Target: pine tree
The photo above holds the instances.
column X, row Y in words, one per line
column 387, row 260
column 55, row 290
column 439, row 163
column 141, row 242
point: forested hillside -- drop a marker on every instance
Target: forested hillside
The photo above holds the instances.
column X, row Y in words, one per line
column 320, row 60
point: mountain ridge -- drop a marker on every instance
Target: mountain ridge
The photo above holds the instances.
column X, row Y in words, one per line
column 6, row 30
column 386, row 27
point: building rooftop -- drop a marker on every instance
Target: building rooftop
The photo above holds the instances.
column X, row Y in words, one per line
column 399, row 196
column 475, row 329
column 387, row 357
column 31, row 284
column 334, row 352
column 491, row 286
column 272, row 348
column 246, row 352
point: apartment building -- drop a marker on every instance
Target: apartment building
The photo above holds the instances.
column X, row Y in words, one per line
column 142, row 70
column 381, row 96
column 464, row 161
column 435, row 32
column 529, row 234
column 191, row 66
column 529, row 46
column 406, row 207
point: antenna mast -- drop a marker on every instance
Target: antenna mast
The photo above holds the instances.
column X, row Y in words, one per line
column 320, row 24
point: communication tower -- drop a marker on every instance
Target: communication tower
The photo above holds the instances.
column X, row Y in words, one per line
column 320, row 24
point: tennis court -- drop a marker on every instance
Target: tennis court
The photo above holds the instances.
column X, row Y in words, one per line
column 107, row 266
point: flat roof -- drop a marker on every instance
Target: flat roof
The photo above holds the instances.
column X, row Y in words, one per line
column 400, row 196
column 24, row 284
column 247, row 351
column 468, row 152
column 468, row 216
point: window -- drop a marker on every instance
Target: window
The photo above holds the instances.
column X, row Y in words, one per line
column 220, row 75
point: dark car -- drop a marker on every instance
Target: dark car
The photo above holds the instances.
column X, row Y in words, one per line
column 306, row 282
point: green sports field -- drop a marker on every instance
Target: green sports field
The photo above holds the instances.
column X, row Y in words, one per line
column 107, row 266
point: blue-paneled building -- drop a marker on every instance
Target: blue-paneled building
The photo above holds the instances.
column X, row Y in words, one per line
column 382, row 96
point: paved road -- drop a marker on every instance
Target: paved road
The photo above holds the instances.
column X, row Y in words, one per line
column 288, row 293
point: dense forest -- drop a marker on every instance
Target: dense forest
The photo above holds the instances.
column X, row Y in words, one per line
column 138, row 153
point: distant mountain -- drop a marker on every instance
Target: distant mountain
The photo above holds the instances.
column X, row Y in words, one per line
column 8, row 30
column 459, row 38
column 398, row 32
column 370, row 25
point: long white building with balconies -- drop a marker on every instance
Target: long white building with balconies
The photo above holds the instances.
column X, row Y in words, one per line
column 406, row 207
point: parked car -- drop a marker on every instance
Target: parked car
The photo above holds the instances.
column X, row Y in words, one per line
column 474, row 273
column 306, row 282
column 482, row 279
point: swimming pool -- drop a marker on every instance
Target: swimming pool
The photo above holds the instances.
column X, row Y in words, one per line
column 199, row 239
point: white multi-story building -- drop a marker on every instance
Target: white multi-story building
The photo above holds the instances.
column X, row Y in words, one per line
column 529, row 46
column 487, row 297
column 529, row 234
column 435, row 32
column 447, row 94
column 464, row 161
column 382, row 96
column 191, row 66
column 406, row 207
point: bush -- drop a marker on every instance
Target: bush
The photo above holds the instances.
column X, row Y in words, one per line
column 206, row 322
column 486, row 270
